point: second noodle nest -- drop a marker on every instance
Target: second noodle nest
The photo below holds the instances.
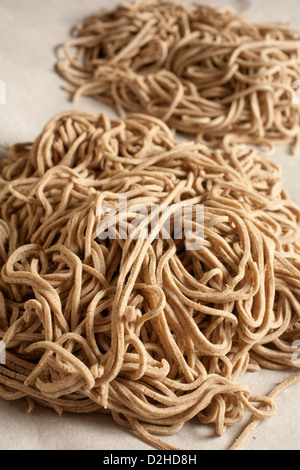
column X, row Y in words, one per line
column 204, row 71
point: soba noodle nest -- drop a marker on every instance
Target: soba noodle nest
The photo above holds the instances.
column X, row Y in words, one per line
column 143, row 329
column 204, row 71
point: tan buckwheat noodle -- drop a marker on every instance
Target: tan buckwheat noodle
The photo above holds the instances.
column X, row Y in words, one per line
column 204, row 71
column 143, row 328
